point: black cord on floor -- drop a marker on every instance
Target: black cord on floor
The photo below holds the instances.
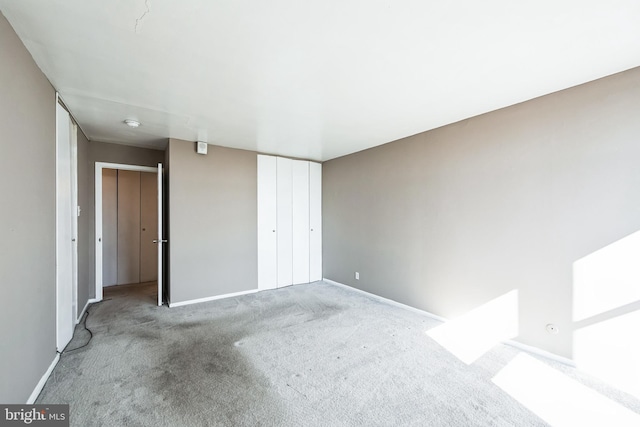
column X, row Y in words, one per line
column 84, row 324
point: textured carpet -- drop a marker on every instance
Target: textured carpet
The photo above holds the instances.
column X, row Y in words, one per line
column 307, row 355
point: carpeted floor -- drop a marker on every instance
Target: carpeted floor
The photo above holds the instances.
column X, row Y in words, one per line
column 307, row 355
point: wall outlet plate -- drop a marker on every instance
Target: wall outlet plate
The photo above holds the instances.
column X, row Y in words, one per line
column 357, row 276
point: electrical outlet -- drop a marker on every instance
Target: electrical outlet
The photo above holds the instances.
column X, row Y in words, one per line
column 357, row 276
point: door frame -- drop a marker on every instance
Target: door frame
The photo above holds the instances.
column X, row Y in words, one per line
column 98, row 214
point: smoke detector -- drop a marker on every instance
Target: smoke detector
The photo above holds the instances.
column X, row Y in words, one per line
column 132, row 123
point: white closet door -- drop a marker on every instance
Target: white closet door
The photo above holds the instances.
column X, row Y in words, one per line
column 284, row 221
column 300, row 221
column 64, row 231
column 267, row 221
column 315, row 221
column 128, row 227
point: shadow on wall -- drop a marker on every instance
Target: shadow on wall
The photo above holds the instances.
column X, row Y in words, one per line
column 606, row 313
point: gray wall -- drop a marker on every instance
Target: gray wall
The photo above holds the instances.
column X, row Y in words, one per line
column 125, row 154
column 451, row 218
column 27, row 220
column 213, row 211
column 90, row 152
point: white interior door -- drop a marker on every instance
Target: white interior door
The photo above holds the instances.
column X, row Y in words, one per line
column 284, row 221
column 315, row 221
column 300, row 221
column 160, row 241
column 267, row 221
column 65, row 318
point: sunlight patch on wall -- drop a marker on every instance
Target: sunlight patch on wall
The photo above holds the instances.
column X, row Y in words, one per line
column 558, row 399
column 607, row 279
column 610, row 350
column 473, row 334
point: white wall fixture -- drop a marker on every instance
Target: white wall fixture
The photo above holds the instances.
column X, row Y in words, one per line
column 289, row 222
column 201, row 147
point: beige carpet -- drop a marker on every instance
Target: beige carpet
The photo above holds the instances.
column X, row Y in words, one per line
column 307, row 355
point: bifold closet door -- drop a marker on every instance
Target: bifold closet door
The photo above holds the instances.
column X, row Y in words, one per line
column 284, row 229
column 300, row 221
column 128, row 227
column 315, row 221
column 289, row 222
column 267, row 222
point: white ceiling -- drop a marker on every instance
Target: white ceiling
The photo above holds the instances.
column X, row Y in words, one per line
column 313, row 79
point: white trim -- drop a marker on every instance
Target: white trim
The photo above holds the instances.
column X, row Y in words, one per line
column 43, row 381
column 160, row 236
column 125, row 167
column 524, row 347
column 195, row 301
column 540, row 352
column 388, row 301
column 98, row 214
column 89, row 301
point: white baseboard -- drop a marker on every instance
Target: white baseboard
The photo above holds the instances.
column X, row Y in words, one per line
column 540, row 352
column 388, row 301
column 195, row 301
column 89, row 301
column 43, row 380
column 524, row 347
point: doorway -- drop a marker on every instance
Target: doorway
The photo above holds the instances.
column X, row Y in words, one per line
column 128, row 227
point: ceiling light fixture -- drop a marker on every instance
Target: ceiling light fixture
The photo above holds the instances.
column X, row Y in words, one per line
column 132, row 123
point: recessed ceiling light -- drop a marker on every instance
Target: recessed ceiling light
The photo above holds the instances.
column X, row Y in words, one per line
column 132, row 123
